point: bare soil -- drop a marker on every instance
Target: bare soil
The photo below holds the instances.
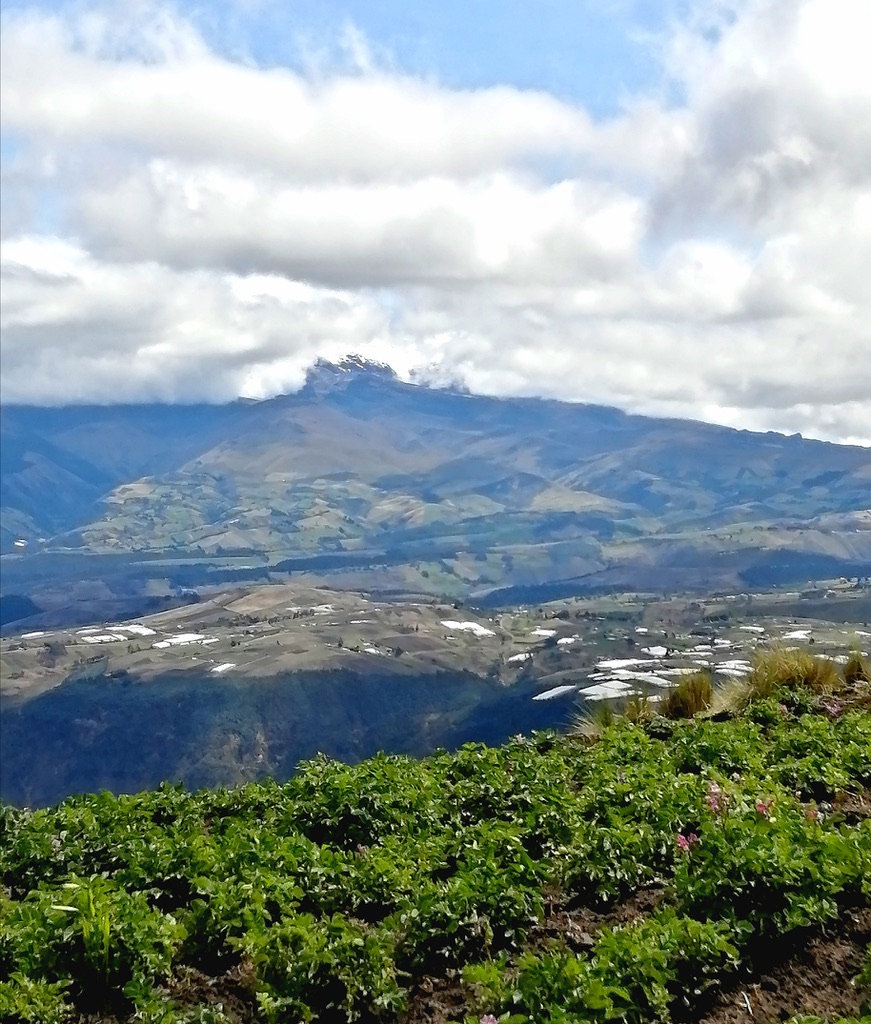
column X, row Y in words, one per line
column 812, row 975
column 232, row 992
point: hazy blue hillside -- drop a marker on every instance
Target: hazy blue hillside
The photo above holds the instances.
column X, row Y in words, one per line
column 193, row 729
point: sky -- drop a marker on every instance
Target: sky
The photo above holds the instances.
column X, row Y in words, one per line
column 661, row 206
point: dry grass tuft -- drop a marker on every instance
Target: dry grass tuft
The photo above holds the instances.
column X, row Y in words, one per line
column 638, row 709
column 594, row 720
column 776, row 669
column 857, row 669
column 730, row 698
column 692, row 695
column 695, row 694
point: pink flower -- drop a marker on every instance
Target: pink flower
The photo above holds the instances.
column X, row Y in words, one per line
column 812, row 814
column 764, row 807
column 488, row 1018
column 686, row 843
column 716, row 798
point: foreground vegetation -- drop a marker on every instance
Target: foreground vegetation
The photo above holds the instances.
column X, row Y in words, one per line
column 555, row 880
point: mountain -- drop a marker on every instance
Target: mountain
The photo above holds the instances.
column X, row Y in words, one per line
column 451, row 492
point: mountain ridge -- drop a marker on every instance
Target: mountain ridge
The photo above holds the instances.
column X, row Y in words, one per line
column 359, row 459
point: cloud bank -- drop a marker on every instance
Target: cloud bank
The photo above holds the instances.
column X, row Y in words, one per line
column 180, row 226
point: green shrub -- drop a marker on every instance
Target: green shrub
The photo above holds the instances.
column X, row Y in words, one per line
column 634, row 974
column 314, row 965
column 111, row 941
column 33, row 1002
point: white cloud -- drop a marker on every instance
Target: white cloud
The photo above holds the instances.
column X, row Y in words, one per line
column 781, row 104
column 430, row 231
column 116, row 332
column 182, row 226
column 166, row 94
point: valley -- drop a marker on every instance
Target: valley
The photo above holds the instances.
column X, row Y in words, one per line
column 263, row 631
column 247, row 681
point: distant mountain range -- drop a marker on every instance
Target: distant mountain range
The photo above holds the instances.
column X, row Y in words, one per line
column 445, row 491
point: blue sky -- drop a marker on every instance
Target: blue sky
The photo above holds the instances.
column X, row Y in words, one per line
column 659, row 206
column 595, row 53
column 586, row 51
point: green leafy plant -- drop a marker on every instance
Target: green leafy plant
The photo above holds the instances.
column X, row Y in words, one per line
column 32, row 1001
column 331, row 897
